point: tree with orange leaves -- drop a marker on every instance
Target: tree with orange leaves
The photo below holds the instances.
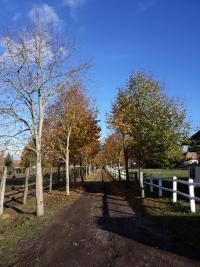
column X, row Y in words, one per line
column 70, row 126
column 117, row 120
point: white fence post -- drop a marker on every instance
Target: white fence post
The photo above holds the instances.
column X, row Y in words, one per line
column 174, row 189
column 142, row 184
column 175, row 192
column 145, row 181
column 191, row 192
column 2, row 189
column 151, row 184
column 160, row 187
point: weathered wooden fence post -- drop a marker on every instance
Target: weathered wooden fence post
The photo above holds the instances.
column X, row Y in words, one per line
column 144, row 181
column 116, row 172
column 2, row 189
column 90, row 169
column 192, row 195
column 86, row 170
column 119, row 174
column 79, row 171
column 160, row 187
column 151, row 184
column 174, row 189
column 74, row 173
column 26, row 186
column 44, row 178
column 50, row 180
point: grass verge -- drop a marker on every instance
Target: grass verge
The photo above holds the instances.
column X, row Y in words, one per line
column 20, row 222
column 165, row 173
column 175, row 218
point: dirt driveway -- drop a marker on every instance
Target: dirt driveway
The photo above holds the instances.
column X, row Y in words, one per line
column 102, row 229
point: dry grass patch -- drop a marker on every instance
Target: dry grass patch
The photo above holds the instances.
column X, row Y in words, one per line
column 20, row 222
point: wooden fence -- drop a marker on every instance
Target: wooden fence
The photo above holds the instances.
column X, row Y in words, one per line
column 11, row 192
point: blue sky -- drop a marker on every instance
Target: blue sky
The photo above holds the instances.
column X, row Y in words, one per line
column 161, row 37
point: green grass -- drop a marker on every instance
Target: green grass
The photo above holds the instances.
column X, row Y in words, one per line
column 18, row 226
column 12, row 182
column 176, row 218
column 21, row 222
column 165, row 173
column 173, row 219
column 18, row 181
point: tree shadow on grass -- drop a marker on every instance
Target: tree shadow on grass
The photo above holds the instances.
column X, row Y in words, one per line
column 15, row 199
column 155, row 231
column 20, row 211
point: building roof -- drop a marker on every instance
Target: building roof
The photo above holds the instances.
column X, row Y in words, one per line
column 196, row 137
column 16, row 163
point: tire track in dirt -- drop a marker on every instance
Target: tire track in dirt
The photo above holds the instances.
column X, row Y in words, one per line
column 101, row 229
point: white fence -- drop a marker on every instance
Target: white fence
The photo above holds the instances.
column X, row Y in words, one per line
column 174, row 187
column 191, row 189
column 116, row 172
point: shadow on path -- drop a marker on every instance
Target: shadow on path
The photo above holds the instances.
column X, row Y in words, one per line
column 124, row 214
column 107, row 226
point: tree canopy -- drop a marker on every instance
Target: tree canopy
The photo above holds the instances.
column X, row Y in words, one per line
column 154, row 123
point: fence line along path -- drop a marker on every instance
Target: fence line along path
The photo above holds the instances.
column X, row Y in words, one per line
column 173, row 189
column 175, row 192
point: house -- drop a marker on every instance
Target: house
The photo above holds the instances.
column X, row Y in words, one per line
column 193, row 152
column 16, row 163
column 196, row 138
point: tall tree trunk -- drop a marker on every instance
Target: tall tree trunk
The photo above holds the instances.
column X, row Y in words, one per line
column 50, row 180
column 39, row 185
column 67, row 171
column 86, row 170
column 126, row 162
column 119, row 171
column 89, row 168
column 63, row 174
column 58, row 171
column 26, row 186
column 67, row 162
column 2, row 190
column 81, row 170
column 74, row 173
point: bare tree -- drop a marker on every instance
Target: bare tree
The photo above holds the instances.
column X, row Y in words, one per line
column 35, row 64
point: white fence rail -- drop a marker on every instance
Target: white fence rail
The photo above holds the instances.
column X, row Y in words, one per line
column 116, row 172
column 191, row 189
column 159, row 185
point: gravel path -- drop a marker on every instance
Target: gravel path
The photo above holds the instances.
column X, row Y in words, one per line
column 101, row 229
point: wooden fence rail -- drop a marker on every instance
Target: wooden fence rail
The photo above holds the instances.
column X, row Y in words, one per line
column 19, row 193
